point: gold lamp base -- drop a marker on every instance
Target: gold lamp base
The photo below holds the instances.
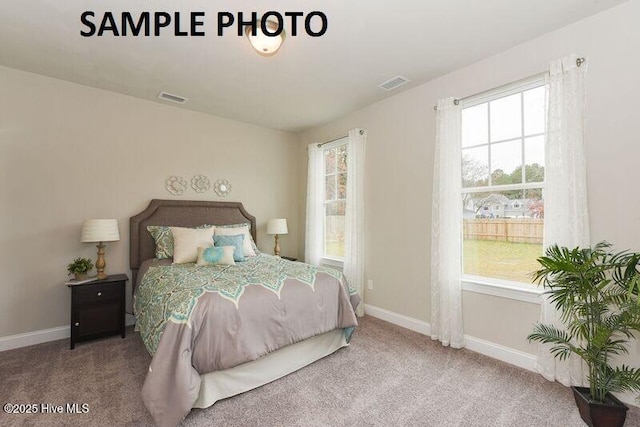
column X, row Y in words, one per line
column 276, row 248
column 100, row 262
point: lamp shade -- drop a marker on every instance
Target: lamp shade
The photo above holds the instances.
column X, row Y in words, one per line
column 100, row 230
column 277, row 226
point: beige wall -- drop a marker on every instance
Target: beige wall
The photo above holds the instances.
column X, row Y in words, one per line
column 69, row 152
column 508, row 328
column 399, row 163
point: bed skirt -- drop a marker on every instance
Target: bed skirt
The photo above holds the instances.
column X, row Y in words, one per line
column 229, row 382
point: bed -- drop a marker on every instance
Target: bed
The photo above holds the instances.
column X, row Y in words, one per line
column 217, row 331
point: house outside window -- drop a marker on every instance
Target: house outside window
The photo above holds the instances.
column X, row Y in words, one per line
column 335, row 199
column 503, row 137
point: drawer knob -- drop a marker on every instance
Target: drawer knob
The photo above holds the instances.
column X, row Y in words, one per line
column 77, row 323
column 99, row 294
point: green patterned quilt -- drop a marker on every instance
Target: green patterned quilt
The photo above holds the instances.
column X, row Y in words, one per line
column 200, row 319
column 170, row 292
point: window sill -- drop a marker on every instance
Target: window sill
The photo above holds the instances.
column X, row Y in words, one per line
column 502, row 288
column 332, row 262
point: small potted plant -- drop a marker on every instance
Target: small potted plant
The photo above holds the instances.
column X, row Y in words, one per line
column 596, row 292
column 80, row 267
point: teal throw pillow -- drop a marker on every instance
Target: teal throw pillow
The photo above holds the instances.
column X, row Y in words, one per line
column 216, row 255
column 235, row 240
column 247, row 236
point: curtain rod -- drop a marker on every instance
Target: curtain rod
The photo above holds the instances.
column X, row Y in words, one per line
column 333, row 140
column 338, row 139
column 579, row 62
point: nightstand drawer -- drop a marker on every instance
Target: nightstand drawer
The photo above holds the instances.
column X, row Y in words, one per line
column 97, row 309
column 98, row 292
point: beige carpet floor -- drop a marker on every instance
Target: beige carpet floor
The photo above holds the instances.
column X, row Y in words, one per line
column 389, row 376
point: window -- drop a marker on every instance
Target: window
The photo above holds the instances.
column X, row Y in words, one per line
column 335, row 199
column 503, row 137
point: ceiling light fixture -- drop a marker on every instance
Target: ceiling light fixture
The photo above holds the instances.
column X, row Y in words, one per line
column 266, row 43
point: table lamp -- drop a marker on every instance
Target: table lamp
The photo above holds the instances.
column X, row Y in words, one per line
column 100, row 230
column 277, row 226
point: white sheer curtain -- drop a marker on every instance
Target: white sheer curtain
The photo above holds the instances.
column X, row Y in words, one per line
column 565, row 198
column 446, row 227
column 315, row 205
column 353, row 264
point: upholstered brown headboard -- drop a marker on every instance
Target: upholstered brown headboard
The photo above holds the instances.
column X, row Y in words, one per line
column 180, row 213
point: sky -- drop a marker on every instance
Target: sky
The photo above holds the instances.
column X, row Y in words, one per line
column 494, row 131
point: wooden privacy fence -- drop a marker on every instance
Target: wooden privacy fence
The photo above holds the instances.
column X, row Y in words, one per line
column 523, row 230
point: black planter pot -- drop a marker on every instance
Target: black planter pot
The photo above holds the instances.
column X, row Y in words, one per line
column 596, row 414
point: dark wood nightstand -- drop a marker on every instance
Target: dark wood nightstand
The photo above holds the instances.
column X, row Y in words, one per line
column 289, row 258
column 97, row 308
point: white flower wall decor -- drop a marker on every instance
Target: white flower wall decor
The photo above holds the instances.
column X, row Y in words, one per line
column 176, row 185
column 200, row 183
column 222, row 187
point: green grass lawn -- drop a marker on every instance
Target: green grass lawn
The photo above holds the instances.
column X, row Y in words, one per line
column 487, row 258
column 334, row 248
column 503, row 260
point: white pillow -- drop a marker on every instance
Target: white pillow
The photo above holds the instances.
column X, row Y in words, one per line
column 216, row 255
column 243, row 229
column 187, row 240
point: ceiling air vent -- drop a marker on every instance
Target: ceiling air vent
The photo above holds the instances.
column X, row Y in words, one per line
column 173, row 98
column 394, row 83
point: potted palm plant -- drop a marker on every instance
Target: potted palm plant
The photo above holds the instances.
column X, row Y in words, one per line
column 595, row 291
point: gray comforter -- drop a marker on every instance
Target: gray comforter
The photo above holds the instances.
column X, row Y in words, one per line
column 195, row 320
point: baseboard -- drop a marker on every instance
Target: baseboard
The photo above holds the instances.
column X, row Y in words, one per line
column 496, row 351
column 44, row 335
column 31, row 338
column 628, row 398
column 505, row 354
column 398, row 319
